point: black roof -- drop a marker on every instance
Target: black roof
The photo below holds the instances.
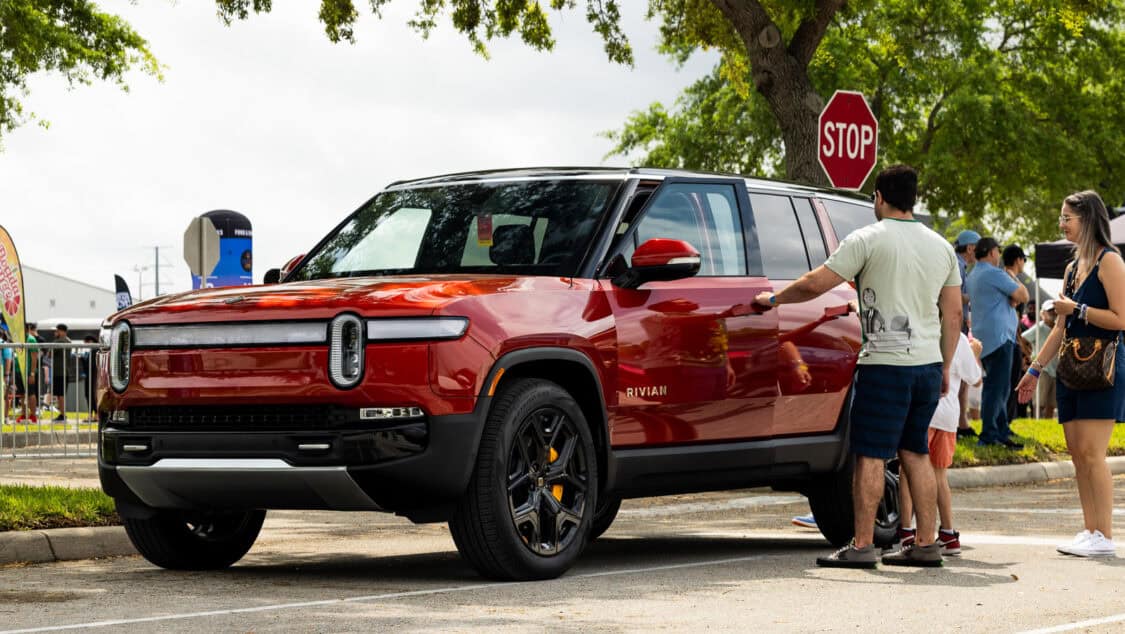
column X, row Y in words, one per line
column 624, row 172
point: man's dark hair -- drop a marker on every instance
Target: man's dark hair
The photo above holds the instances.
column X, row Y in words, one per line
column 1011, row 253
column 899, row 186
column 62, row 327
column 985, row 246
column 961, row 248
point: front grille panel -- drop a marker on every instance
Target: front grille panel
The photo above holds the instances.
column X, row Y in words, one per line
column 238, row 417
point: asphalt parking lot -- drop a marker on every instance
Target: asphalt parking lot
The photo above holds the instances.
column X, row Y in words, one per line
column 728, row 562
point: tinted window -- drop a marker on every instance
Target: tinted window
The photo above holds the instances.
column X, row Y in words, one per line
column 779, row 237
column 704, row 216
column 810, row 229
column 540, row 227
column 847, row 217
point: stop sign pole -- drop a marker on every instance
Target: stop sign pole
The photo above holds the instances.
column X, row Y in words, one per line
column 847, row 140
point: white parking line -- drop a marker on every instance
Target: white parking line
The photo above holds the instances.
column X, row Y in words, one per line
column 1066, row 627
column 377, row 597
column 1033, row 511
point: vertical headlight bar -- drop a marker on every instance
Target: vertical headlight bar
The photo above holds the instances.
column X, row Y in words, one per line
column 120, row 350
column 345, row 351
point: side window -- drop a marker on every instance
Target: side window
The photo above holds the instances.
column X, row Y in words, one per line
column 810, row 229
column 704, row 216
column 847, row 217
column 779, row 237
column 392, row 244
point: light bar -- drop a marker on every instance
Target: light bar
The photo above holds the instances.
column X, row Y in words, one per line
column 416, row 329
column 240, row 334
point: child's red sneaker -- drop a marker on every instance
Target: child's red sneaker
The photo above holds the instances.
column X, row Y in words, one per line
column 905, row 537
column 950, row 542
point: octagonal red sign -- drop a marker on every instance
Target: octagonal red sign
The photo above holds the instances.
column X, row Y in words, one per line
column 847, row 139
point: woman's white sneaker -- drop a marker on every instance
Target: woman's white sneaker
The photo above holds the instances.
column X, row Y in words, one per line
column 1096, row 545
column 1080, row 540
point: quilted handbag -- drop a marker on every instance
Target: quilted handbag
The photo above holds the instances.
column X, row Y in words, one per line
column 1087, row 363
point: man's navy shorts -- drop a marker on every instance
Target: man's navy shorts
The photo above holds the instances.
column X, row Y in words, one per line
column 892, row 407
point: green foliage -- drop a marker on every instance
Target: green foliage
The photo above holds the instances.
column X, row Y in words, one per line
column 72, row 37
column 32, row 507
column 1005, row 106
column 481, row 21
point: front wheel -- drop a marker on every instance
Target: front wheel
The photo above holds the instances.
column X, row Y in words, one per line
column 190, row 540
column 530, row 503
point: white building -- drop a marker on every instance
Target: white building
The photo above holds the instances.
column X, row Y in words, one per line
column 53, row 298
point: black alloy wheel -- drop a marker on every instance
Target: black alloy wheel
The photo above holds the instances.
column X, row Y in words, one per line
column 529, row 507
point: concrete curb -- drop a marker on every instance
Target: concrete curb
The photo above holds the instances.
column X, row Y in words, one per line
column 65, row 544
column 1021, row 473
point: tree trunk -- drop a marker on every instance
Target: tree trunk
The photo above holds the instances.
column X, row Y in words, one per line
column 797, row 106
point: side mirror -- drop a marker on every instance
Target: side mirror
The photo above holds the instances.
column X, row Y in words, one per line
column 272, row 276
column 660, row 259
column 290, row 265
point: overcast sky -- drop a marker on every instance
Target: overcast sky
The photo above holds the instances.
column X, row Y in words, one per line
column 271, row 119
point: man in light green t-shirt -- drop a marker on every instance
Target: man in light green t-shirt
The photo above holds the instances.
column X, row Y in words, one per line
column 910, row 311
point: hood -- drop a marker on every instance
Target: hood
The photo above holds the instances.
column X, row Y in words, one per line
column 317, row 299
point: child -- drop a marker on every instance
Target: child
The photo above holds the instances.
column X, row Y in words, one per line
column 943, row 440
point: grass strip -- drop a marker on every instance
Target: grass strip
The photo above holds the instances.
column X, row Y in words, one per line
column 1042, row 438
column 24, row 507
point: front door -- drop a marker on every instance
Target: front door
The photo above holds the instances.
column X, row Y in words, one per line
column 694, row 363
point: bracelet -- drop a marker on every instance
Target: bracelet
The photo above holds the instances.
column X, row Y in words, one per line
column 1082, row 314
column 1033, row 372
column 1035, row 364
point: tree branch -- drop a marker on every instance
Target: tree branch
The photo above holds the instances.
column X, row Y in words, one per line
column 811, row 30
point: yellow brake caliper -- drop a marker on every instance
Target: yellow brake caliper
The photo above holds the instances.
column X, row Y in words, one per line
column 556, row 489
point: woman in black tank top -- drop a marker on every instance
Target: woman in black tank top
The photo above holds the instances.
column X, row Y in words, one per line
column 1092, row 305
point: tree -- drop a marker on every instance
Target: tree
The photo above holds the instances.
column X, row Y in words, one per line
column 1005, row 106
column 70, row 36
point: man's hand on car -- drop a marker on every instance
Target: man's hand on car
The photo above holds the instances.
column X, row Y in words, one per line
column 763, row 300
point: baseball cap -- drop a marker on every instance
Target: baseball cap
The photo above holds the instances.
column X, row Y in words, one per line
column 967, row 237
column 1049, row 304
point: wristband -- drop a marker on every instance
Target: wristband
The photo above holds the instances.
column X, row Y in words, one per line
column 1035, row 364
column 773, row 300
column 1033, row 372
column 1082, row 310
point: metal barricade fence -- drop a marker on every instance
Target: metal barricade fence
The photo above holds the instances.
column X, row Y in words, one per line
column 48, row 407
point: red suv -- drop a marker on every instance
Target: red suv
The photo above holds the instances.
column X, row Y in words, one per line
column 512, row 352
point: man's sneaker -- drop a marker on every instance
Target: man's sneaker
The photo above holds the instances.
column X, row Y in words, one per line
column 59, row 419
column 915, row 555
column 950, row 542
column 1080, row 540
column 1096, row 545
column 805, row 521
column 906, row 537
column 850, row 557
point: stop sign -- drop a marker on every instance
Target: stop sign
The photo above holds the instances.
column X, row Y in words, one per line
column 847, row 139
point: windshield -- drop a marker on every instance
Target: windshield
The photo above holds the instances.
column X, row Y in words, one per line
column 529, row 227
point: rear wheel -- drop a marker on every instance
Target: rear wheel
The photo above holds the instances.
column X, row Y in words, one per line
column 830, row 499
column 190, row 540
column 529, row 508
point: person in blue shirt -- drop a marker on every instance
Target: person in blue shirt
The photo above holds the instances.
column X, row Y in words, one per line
column 965, row 248
column 994, row 294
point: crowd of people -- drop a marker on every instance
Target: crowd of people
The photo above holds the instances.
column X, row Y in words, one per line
column 971, row 327
column 48, row 373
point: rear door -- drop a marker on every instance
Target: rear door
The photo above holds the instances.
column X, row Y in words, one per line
column 818, row 340
column 693, row 363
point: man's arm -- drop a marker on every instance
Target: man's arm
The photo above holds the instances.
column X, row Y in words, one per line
column 1020, row 295
column 811, row 285
column 949, row 303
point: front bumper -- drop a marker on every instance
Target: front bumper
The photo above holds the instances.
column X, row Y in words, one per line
column 406, row 468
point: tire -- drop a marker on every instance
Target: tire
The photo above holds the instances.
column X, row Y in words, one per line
column 608, row 506
column 187, row 540
column 830, row 499
column 536, row 462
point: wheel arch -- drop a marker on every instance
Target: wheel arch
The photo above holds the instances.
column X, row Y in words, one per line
column 575, row 372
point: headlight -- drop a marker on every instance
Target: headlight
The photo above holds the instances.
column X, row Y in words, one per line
column 120, row 349
column 345, row 351
column 416, row 329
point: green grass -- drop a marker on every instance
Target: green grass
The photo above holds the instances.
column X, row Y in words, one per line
column 25, row 507
column 1042, row 438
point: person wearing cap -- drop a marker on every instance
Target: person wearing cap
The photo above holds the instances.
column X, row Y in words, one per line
column 61, row 371
column 994, row 294
column 1037, row 336
column 964, row 247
